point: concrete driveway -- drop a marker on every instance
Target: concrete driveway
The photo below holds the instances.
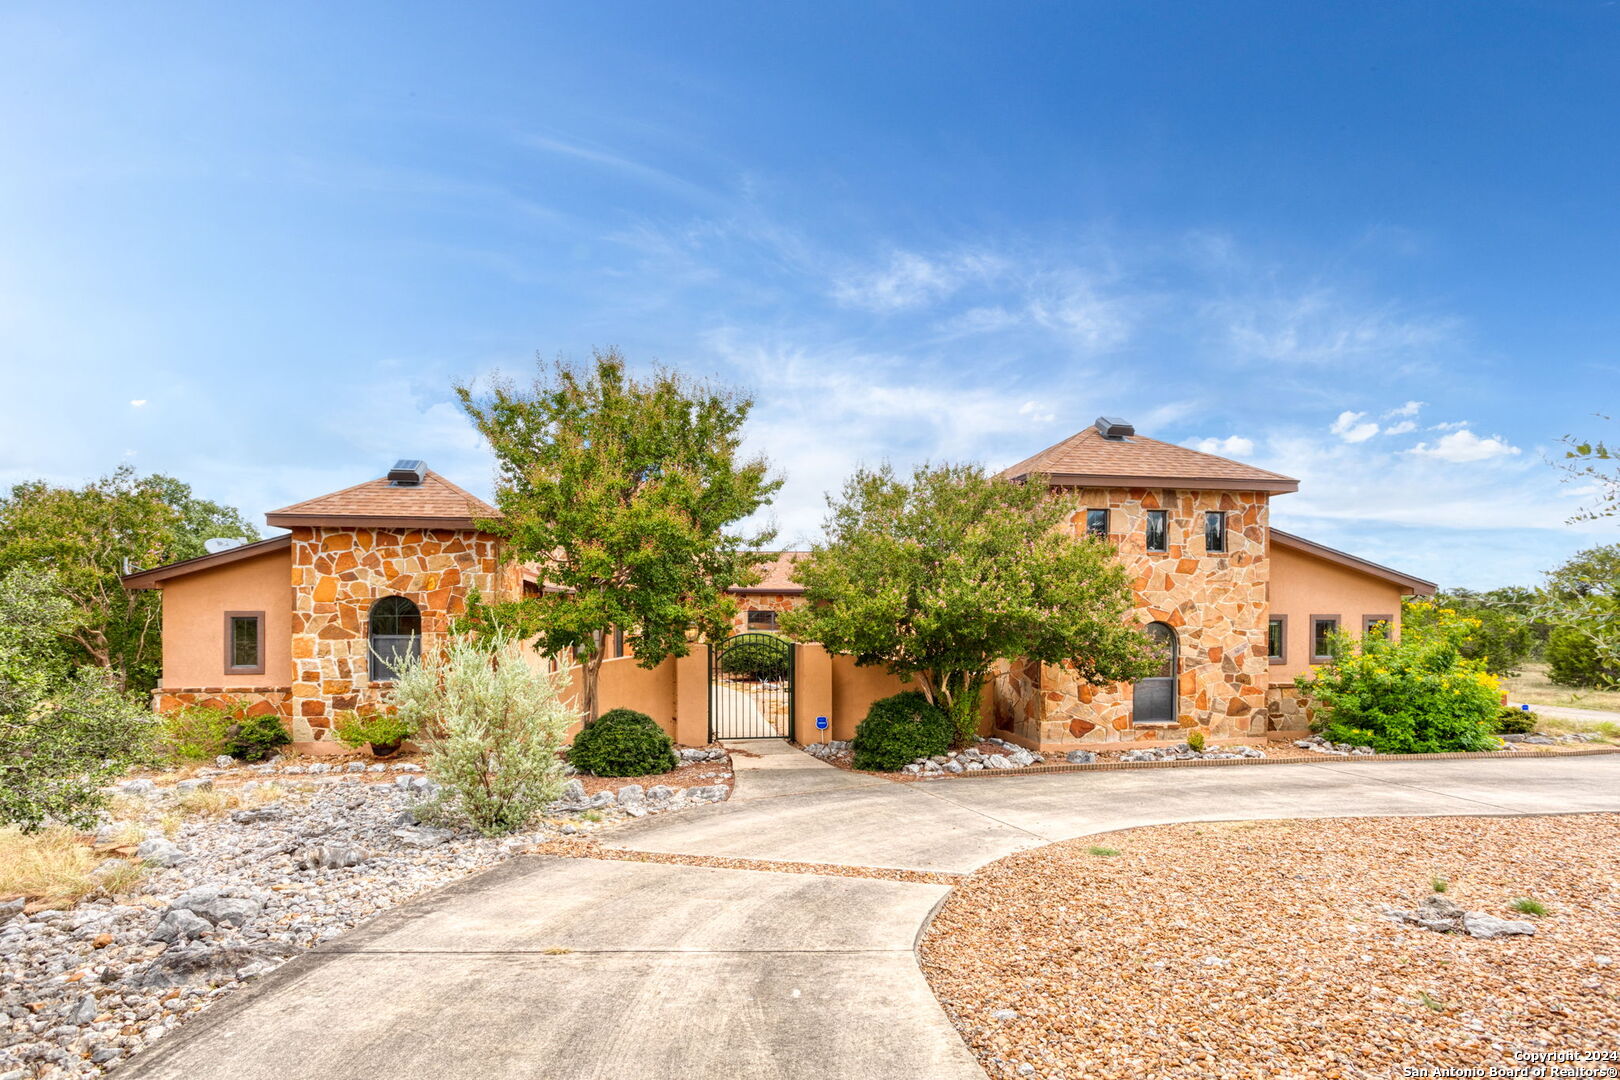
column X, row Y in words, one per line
column 552, row 967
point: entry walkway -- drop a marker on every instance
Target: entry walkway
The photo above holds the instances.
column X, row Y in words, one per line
column 550, row 967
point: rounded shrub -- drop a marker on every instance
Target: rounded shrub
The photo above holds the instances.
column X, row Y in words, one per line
column 1512, row 721
column 898, row 730
column 622, row 742
column 254, row 738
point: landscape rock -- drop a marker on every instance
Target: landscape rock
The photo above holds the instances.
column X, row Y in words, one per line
column 631, row 794
column 712, row 793
column 179, row 924
column 1080, row 757
column 138, row 788
column 186, row 787
column 423, row 837
column 998, row 761
column 224, row 761
column 331, row 856
column 204, row 965
column 161, row 851
column 1489, row 927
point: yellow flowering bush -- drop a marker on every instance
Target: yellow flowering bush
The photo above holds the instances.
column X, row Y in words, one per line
column 1415, row 696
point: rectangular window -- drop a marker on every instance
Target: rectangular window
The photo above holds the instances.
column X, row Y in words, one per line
column 1323, row 627
column 1158, row 530
column 1215, row 530
column 1277, row 639
column 1376, row 625
column 1097, row 522
column 244, row 643
column 762, row 620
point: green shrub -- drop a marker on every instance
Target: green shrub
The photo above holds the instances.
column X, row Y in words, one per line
column 254, row 738
column 63, row 735
column 1573, row 660
column 756, row 656
column 1511, row 721
column 1405, row 697
column 1195, row 741
column 382, row 731
column 491, row 726
column 622, row 742
column 195, row 732
column 898, row 730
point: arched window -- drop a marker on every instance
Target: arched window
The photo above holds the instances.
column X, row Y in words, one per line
column 396, row 634
column 1154, row 698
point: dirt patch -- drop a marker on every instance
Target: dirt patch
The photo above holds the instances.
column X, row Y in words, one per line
column 1261, row 950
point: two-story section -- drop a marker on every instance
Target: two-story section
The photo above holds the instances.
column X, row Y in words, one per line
column 1237, row 607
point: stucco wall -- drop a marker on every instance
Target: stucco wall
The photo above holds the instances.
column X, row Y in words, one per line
column 194, row 609
column 1303, row 585
column 1216, row 602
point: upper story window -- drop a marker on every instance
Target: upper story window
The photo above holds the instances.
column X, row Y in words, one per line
column 762, row 620
column 396, row 636
column 1277, row 639
column 1323, row 627
column 1097, row 522
column 244, row 643
column 1158, row 530
column 1215, row 530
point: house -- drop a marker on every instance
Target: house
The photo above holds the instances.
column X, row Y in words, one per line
column 305, row 624
column 1241, row 607
column 308, row 624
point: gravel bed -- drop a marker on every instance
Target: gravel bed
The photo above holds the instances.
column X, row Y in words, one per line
column 593, row 850
column 1272, row 949
column 247, row 867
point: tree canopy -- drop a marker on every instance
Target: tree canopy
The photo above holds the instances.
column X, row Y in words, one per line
column 85, row 535
column 628, row 494
column 941, row 576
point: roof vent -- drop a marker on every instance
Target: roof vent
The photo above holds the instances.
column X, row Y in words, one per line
column 1112, row 427
column 408, row 472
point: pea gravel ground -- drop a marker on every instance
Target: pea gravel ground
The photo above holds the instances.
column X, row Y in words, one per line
column 1260, row 949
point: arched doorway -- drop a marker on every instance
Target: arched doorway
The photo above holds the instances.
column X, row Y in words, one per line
column 1153, row 699
column 395, row 634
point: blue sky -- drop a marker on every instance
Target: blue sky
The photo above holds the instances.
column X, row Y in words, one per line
column 1371, row 246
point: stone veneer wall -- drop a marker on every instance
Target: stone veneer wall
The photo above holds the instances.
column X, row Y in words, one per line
column 1286, row 710
column 260, row 699
column 777, row 602
column 337, row 574
column 1217, row 605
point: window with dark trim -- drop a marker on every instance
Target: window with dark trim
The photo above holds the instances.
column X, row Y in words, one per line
column 1158, row 530
column 1323, row 627
column 618, row 641
column 1376, row 625
column 1215, row 530
column 244, row 643
column 1097, row 522
column 396, row 636
column 1277, row 639
column 761, row 620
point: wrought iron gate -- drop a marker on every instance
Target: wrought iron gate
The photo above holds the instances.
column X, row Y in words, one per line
column 751, row 687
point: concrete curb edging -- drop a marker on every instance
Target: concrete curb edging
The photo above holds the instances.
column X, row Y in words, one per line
column 1319, row 759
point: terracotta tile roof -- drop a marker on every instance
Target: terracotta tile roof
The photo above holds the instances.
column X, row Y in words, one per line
column 434, row 503
column 774, row 574
column 1086, row 459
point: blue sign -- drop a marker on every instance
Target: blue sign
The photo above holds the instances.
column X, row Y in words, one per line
column 821, row 723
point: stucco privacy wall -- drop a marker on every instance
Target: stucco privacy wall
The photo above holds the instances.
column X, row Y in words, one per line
column 338, row 573
column 1216, row 602
column 194, row 609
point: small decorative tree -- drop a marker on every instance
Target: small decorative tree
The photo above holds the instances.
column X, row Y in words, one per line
column 940, row 577
column 626, row 493
column 492, row 725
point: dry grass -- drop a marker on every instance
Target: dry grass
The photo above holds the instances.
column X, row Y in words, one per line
column 1259, row 950
column 1532, row 687
column 217, row 803
column 55, row 868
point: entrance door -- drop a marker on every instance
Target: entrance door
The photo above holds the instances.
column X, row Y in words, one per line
column 1154, row 698
column 751, row 687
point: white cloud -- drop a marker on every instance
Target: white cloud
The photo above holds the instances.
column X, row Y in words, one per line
column 1321, row 326
column 138, row 402
column 1464, row 446
column 1231, row 446
column 911, row 280
column 1449, row 425
column 1411, row 408
column 1036, row 412
column 1400, row 428
column 1351, row 429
